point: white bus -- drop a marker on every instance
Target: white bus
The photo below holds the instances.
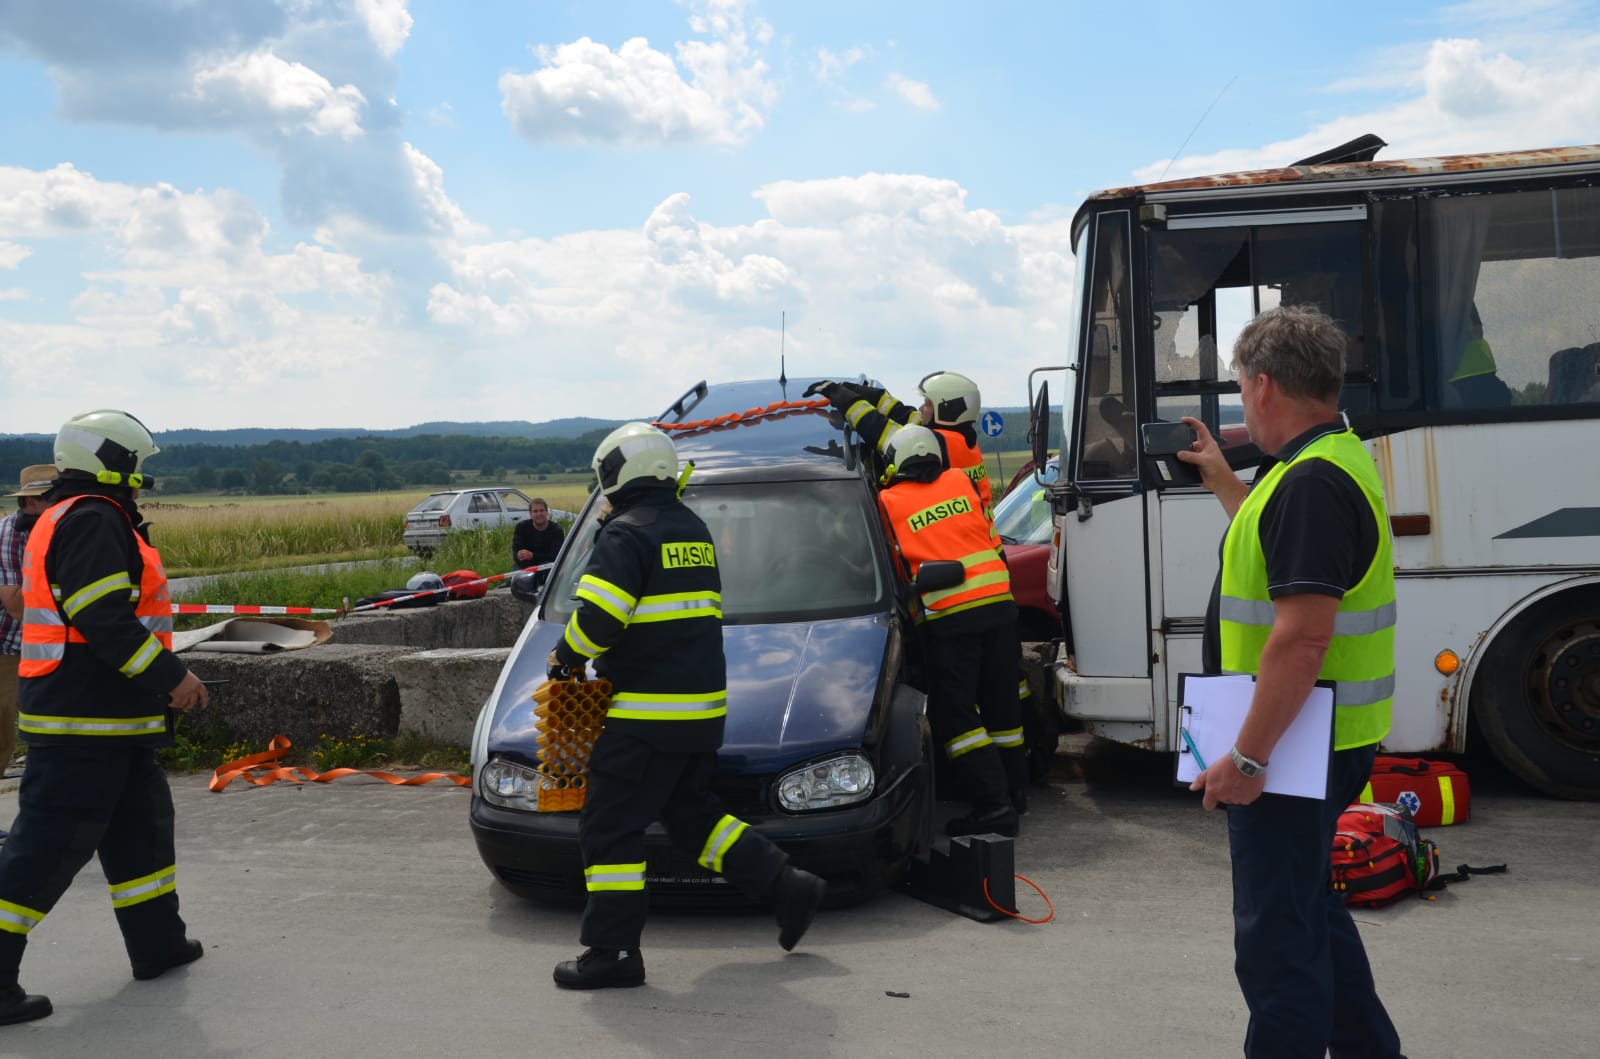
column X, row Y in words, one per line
column 1470, row 290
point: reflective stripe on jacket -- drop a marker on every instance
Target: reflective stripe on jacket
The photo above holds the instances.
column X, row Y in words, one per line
column 966, row 458
column 941, row 520
column 1360, row 658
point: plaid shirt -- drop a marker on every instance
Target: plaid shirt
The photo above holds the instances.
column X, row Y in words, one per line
column 11, row 545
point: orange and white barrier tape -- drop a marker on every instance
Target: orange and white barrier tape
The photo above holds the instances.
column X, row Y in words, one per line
column 267, row 767
column 243, row 608
column 248, row 608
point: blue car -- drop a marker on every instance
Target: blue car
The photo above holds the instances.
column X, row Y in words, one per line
column 827, row 750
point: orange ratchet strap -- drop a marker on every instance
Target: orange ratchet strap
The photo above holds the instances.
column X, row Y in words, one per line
column 267, row 767
column 749, row 413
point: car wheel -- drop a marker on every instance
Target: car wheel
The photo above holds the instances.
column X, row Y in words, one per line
column 1537, row 698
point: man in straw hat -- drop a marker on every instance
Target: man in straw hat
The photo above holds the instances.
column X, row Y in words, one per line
column 36, row 481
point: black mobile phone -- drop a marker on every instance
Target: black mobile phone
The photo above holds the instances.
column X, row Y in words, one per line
column 1165, row 439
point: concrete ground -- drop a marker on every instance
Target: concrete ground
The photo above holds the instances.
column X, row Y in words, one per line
column 356, row 919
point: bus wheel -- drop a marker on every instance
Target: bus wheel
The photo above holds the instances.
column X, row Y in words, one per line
column 1537, row 697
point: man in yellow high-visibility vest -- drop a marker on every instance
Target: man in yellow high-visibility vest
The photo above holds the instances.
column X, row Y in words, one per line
column 1306, row 593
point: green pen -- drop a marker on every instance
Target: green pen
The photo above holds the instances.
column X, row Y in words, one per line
column 1194, row 750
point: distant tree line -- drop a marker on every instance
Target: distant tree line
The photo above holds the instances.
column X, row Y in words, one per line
column 338, row 465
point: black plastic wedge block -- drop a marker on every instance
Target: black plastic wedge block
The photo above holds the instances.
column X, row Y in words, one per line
column 953, row 874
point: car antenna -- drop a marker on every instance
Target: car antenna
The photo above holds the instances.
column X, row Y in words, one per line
column 783, row 333
column 1196, row 128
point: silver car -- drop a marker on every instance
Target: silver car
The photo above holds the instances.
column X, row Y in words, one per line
column 441, row 513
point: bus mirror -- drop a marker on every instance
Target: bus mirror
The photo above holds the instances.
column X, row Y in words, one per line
column 1039, row 425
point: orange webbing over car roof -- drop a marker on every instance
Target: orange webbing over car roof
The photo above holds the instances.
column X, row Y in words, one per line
column 732, row 418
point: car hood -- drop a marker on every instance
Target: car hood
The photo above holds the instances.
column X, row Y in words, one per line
column 796, row 690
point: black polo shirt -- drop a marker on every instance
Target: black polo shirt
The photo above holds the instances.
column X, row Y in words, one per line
column 1317, row 531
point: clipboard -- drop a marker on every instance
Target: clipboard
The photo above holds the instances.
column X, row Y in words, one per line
column 1212, row 709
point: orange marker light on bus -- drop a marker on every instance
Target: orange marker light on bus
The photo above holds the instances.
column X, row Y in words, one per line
column 1446, row 662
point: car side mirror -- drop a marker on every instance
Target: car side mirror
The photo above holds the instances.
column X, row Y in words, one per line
column 940, row 574
column 528, row 585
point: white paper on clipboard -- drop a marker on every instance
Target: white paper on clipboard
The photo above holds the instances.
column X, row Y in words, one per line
column 1213, row 710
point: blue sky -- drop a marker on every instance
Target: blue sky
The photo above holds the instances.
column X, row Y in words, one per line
column 374, row 213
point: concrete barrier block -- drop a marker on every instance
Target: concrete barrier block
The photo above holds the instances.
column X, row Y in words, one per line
column 441, row 691
column 332, row 688
column 493, row 621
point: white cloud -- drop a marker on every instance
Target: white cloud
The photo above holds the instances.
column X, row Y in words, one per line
column 1465, row 98
column 387, row 21
column 716, row 91
column 830, row 65
column 12, row 254
column 883, row 273
column 309, row 82
column 14, row 294
column 293, row 96
column 917, row 93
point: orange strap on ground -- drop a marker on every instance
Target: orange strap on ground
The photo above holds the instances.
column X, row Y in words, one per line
column 749, row 413
column 268, row 767
column 1019, row 915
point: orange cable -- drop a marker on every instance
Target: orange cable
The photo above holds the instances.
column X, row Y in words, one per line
column 1019, row 915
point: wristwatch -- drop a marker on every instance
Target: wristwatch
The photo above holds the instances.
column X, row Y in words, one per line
column 1247, row 766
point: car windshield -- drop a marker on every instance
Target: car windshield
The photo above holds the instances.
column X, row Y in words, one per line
column 1023, row 515
column 787, row 551
column 436, row 502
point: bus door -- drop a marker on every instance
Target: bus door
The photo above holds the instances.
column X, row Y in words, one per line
column 1102, row 554
column 1207, row 276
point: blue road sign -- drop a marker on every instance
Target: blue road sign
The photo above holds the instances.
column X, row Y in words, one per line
column 993, row 424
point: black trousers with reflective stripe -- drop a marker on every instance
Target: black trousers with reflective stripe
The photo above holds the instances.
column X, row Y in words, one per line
column 78, row 801
column 972, row 683
column 631, row 786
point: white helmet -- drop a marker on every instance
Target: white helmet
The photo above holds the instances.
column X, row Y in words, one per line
column 632, row 452
column 955, row 397
column 106, row 445
column 912, row 447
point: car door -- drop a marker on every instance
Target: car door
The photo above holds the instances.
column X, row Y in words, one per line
column 483, row 509
column 515, row 504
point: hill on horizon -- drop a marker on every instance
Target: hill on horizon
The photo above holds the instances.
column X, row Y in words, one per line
column 569, row 427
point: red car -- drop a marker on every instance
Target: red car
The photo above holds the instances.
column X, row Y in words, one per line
column 1022, row 518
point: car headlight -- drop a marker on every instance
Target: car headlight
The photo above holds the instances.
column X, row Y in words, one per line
column 509, row 785
column 842, row 780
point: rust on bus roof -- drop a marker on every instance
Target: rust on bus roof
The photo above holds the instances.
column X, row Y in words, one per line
column 1418, row 167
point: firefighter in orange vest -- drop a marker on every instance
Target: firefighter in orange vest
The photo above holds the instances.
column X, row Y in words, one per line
column 950, row 405
column 968, row 626
column 98, row 684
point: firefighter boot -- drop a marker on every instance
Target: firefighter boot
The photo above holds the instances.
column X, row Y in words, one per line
column 795, row 899
column 601, row 968
column 18, row 1005
column 186, row 951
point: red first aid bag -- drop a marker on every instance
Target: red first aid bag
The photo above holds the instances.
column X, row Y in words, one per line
column 1378, row 857
column 1436, row 792
column 465, row 584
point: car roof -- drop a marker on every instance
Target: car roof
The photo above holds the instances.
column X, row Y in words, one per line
column 760, row 429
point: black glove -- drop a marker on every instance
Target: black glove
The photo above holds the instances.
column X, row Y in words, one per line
column 556, row 669
column 821, row 386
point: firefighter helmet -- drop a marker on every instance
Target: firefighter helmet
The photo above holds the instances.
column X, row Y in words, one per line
column 913, row 450
column 106, row 445
column 634, row 452
column 955, row 397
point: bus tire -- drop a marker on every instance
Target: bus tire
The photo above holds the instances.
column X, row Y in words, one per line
column 1536, row 700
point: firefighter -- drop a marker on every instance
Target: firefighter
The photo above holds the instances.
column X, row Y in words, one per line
column 98, row 684
column 649, row 617
column 950, row 405
column 968, row 630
